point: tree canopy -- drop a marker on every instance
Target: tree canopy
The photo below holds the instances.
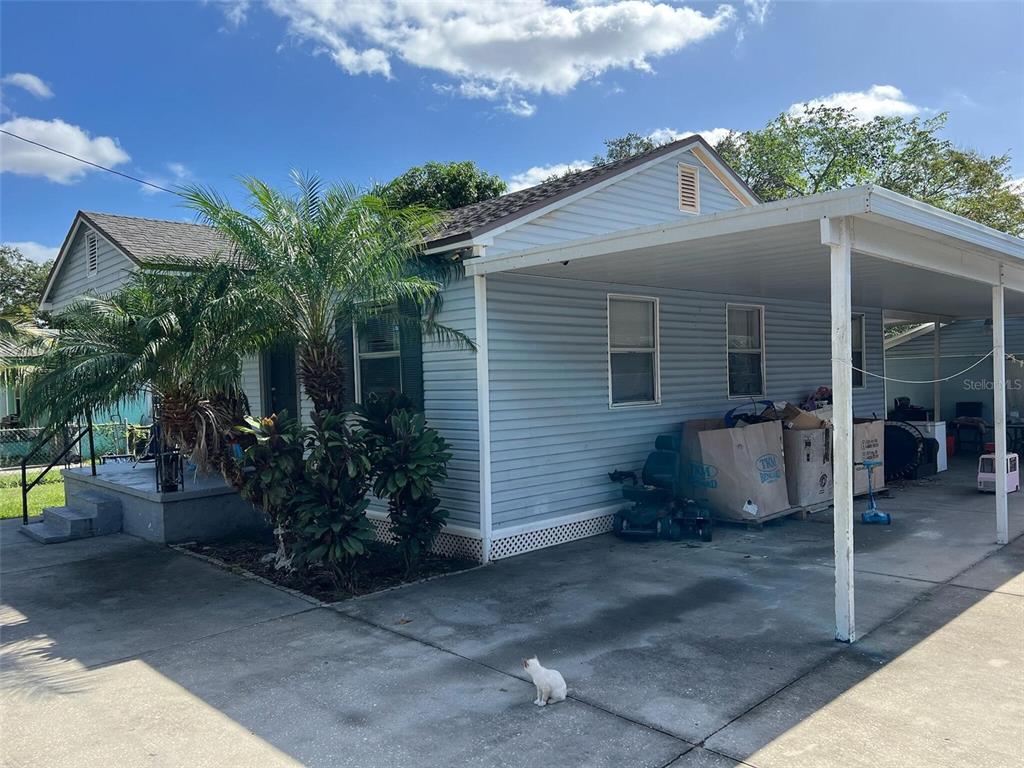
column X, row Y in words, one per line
column 21, row 283
column 442, row 186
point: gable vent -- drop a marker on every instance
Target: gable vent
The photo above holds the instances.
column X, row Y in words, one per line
column 92, row 252
column 689, row 189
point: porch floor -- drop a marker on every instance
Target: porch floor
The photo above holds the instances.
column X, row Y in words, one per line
column 688, row 654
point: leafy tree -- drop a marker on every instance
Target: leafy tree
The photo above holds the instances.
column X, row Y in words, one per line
column 323, row 258
column 825, row 148
column 443, row 186
column 624, row 147
column 21, row 283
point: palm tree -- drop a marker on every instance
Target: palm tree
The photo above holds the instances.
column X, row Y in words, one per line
column 324, row 258
column 179, row 334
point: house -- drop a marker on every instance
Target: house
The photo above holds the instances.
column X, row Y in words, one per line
column 610, row 305
column 910, row 357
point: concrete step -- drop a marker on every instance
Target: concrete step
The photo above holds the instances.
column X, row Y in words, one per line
column 104, row 510
column 45, row 533
column 70, row 522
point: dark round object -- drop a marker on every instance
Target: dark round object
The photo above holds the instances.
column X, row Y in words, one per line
column 903, row 449
column 617, row 522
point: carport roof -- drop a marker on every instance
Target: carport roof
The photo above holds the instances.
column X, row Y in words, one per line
column 907, row 256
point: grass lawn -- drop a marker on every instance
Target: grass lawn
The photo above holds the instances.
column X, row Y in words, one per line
column 49, row 493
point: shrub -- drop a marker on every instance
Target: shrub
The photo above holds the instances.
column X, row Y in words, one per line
column 330, row 504
column 409, row 458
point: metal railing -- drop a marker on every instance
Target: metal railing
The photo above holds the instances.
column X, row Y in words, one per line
column 43, row 442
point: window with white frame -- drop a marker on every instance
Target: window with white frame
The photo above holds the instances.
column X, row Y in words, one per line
column 633, row 377
column 92, row 253
column 745, row 346
column 857, row 349
column 379, row 356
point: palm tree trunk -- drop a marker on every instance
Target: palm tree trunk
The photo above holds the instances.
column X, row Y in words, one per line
column 322, row 370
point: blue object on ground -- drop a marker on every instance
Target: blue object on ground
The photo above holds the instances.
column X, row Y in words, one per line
column 873, row 515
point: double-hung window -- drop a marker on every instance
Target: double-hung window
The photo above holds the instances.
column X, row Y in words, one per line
column 857, row 350
column 633, row 351
column 745, row 347
column 379, row 356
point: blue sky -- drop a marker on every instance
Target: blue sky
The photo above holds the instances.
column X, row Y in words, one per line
column 359, row 91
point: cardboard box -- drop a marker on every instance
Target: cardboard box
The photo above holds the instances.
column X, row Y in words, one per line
column 797, row 418
column 729, row 467
column 868, row 443
column 808, row 455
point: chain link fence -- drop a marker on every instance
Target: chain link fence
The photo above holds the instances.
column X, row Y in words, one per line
column 110, row 438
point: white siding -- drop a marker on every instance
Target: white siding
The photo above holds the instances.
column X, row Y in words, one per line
column 251, row 384
column 554, row 438
column 73, row 281
column 647, row 197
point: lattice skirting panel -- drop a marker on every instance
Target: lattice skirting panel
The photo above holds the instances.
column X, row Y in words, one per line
column 520, row 543
column 446, row 543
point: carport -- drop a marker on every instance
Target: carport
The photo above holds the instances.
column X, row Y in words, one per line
column 863, row 245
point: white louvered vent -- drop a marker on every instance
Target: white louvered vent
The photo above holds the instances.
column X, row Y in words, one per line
column 689, row 189
column 92, row 252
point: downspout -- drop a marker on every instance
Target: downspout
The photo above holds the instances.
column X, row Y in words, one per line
column 483, row 404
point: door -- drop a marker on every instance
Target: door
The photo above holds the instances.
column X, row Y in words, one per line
column 280, row 381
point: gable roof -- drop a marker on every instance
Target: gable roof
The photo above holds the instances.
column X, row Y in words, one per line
column 476, row 219
column 144, row 240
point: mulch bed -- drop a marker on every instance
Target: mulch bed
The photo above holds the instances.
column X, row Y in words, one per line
column 381, row 569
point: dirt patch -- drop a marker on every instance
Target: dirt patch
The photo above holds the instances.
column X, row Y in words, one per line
column 382, row 569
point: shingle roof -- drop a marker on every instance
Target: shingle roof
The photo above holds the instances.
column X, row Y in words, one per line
column 147, row 240
column 471, row 220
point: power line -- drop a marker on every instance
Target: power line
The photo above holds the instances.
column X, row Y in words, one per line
column 89, row 162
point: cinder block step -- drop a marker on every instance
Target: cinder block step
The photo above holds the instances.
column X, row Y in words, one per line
column 45, row 533
column 73, row 523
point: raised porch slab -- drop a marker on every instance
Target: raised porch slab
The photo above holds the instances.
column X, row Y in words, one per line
column 207, row 509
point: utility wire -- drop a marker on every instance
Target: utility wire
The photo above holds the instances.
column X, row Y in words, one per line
column 975, row 364
column 89, row 162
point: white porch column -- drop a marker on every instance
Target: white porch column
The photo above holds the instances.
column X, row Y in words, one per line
column 999, row 406
column 836, row 234
column 483, row 407
column 936, row 372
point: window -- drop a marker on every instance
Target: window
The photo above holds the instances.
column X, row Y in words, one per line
column 633, row 377
column 857, row 349
column 91, row 253
column 745, row 342
column 689, row 188
column 379, row 357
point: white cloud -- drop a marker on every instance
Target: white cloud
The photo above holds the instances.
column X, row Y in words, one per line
column 176, row 173
column 493, row 50
column 520, row 107
column 29, row 160
column 757, row 14
column 538, row 173
column 35, row 251
column 876, row 101
column 665, row 135
column 29, row 82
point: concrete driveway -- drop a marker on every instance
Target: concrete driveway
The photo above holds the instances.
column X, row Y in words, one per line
column 118, row 652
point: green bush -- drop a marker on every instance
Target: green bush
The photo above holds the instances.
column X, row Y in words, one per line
column 409, row 458
column 330, row 504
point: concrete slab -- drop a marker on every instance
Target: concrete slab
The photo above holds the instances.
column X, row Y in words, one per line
column 319, row 689
column 702, row 758
column 1001, row 572
column 684, row 638
column 942, row 685
column 129, row 600
column 19, row 553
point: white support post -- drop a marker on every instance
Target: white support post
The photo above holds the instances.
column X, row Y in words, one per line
column 999, row 406
column 836, row 234
column 936, row 372
column 483, row 406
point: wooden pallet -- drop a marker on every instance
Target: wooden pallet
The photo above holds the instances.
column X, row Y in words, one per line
column 800, row 513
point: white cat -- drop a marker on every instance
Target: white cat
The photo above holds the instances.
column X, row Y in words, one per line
column 550, row 684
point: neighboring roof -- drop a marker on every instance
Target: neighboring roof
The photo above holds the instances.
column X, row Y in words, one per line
column 478, row 218
column 146, row 240
column 905, row 336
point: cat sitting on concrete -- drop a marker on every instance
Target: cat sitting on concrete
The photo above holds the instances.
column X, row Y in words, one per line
column 550, row 684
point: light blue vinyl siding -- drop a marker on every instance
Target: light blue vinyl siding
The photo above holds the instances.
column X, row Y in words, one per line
column 112, row 269
column 554, row 437
column 647, row 197
column 449, row 392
